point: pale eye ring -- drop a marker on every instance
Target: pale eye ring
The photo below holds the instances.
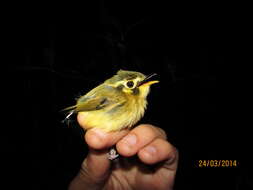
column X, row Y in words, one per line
column 130, row 84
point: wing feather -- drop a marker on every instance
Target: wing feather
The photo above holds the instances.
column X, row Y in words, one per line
column 98, row 98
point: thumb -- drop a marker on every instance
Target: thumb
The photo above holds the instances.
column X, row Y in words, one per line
column 94, row 171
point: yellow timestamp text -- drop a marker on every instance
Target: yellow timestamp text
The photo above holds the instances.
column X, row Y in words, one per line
column 217, row 163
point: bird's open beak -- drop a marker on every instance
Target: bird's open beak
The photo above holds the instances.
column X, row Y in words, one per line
column 145, row 82
column 150, row 83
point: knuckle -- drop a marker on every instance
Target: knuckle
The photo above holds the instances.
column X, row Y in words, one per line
column 151, row 129
column 148, row 130
column 161, row 132
column 173, row 153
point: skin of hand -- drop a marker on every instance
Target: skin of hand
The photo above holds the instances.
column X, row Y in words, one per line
column 154, row 166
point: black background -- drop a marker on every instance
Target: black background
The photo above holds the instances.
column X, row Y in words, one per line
column 57, row 54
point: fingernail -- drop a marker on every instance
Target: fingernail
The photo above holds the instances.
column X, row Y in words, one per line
column 99, row 133
column 150, row 150
column 130, row 139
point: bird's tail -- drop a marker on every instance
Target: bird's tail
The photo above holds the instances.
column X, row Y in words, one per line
column 70, row 108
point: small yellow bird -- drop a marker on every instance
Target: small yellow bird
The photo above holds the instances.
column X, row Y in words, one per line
column 116, row 104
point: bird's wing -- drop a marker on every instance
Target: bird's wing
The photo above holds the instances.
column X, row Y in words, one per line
column 96, row 101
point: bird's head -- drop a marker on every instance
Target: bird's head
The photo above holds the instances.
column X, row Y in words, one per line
column 132, row 83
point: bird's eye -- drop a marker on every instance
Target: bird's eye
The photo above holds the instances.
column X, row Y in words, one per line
column 130, row 84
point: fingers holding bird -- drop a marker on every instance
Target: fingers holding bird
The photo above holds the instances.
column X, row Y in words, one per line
column 147, row 141
column 150, row 144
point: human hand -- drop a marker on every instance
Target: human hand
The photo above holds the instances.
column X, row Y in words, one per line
column 154, row 166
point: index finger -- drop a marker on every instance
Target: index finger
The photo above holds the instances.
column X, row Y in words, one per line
column 98, row 139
